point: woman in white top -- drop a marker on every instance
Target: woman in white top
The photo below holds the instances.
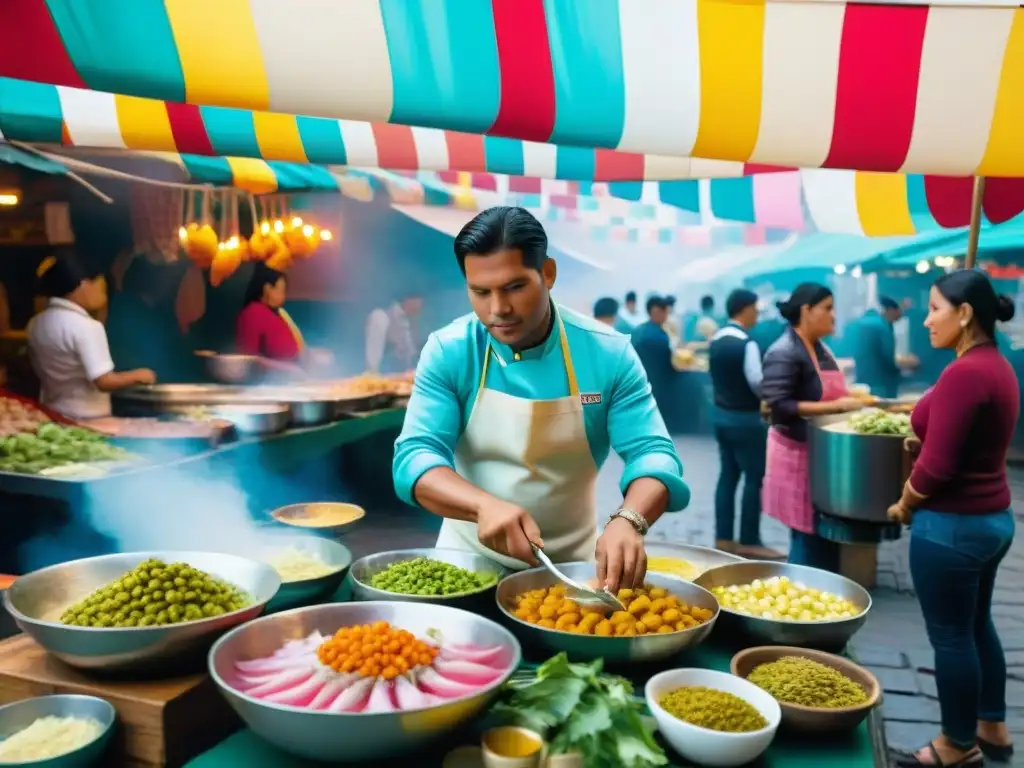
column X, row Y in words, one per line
column 69, row 349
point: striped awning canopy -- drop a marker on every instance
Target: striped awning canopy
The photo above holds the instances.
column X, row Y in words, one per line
column 823, row 200
column 902, row 87
column 834, row 201
column 258, row 177
column 35, row 112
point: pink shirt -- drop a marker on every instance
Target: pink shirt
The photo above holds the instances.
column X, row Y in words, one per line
column 262, row 331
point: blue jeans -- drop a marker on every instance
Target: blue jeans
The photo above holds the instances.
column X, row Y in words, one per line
column 742, row 453
column 953, row 559
column 814, row 551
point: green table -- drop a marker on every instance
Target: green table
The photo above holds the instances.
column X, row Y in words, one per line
column 859, row 749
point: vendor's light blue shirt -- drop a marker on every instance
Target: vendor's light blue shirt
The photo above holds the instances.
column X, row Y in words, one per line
column 626, row 419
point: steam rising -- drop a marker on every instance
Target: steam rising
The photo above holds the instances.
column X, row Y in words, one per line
column 188, row 507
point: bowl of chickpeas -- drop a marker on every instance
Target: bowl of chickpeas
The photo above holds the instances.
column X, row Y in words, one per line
column 786, row 604
column 662, row 617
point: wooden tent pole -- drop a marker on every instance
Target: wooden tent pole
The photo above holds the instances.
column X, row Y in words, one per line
column 971, row 257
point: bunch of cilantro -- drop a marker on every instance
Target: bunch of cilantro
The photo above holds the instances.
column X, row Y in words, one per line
column 577, row 708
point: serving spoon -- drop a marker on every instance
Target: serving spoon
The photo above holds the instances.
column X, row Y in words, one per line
column 581, row 593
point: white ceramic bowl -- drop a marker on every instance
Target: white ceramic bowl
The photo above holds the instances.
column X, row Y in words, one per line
column 704, row 746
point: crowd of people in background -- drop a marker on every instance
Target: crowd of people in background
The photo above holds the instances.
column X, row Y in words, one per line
column 769, row 379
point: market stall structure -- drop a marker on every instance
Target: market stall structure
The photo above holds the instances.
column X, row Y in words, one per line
column 597, row 112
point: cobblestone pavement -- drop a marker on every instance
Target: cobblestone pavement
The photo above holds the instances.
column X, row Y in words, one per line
column 893, row 641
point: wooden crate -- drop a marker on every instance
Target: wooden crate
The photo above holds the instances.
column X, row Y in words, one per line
column 160, row 723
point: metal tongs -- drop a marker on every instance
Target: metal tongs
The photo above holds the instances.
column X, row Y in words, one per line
column 581, row 593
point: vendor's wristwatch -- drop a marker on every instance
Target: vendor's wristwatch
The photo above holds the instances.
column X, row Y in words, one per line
column 633, row 518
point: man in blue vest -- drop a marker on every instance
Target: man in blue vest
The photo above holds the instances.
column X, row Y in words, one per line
column 874, row 349
column 735, row 362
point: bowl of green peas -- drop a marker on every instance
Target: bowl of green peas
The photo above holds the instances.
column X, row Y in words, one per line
column 444, row 576
column 139, row 610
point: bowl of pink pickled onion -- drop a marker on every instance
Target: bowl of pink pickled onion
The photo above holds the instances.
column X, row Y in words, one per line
column 352, row 682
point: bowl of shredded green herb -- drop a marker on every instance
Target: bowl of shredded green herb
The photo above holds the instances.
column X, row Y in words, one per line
column 580, row 711
column 712, row 718
column 818, row 692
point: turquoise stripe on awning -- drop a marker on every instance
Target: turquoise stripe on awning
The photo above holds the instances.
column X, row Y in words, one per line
column 733, row 199
column 917, row 201
column 681, row 194
column 30, row 111
column 503, row 155
column 322, row 140
column 296, row 176
column 586, row 55
column 231, row 131
column 626, row 190
column 14, row 156
column 121, row 46
column 444, row 64
column 575, row 163
column 209, row 170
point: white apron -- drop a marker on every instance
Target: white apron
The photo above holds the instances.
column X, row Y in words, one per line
column 533, row 453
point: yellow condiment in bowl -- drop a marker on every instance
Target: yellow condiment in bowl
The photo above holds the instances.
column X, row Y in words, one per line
column 512, row 747
column 673, row 566
column 320, row 515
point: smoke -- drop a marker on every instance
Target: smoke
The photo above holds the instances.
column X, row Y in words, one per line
column 194, row 504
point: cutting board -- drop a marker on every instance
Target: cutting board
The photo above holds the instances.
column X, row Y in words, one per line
column 161, row 723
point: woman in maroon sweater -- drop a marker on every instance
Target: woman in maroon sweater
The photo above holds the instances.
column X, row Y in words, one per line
column 958, row 500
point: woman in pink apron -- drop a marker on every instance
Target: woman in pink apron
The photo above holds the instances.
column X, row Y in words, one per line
column 801, row 380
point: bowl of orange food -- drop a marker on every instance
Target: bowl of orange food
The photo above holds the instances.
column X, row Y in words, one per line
column 663, row 617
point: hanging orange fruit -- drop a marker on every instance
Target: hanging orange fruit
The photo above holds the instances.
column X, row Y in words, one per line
column 201, row 245
column 297, row 243
column 224, row 264
column 260, row 246
column 280, row 260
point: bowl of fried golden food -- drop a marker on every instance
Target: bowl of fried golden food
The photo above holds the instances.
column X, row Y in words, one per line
column 662, row 617
column 818, row 692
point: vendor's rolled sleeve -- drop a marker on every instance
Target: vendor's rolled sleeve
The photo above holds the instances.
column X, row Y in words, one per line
column 93, row 350
column 638, row 435
column 433, row 423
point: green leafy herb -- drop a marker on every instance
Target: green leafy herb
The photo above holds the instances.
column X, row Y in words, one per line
column 578, row 708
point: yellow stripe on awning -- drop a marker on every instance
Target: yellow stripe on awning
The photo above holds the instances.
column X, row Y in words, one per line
column 1003, row 153
column 144, row 124
column 218, row 46
column 278, row 137
column 731, row 38
column 253, row 176
column 882, row 204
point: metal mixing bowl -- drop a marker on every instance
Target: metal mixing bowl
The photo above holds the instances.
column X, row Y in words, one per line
column 21, row 714
column 293, row 594
column 308, row 515
column 816, row 634
column 354, row 738
column 363, row 570
column 614, row 649
column 37, row 600
column 231, row 368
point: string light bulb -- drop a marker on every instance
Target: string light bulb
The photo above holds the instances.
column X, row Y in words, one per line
column 296, row 222
column 325, row 235
column 182, row 235
column 307, row 230
column 279, row 226
column 265, row 228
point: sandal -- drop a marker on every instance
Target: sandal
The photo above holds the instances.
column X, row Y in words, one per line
column 973, row 759
column 998, row 753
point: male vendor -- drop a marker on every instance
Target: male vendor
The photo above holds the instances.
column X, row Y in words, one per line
column 515, row 408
